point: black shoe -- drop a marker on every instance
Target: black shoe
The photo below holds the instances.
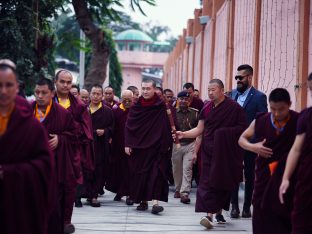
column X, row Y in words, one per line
column 117, row 198
column 157, row 209
column 129, row 202
column 246, row 213
column 234, row 212
column 143, row 206
column 94, row 202
column 220, row 219
column 185, row 199
column 69, row 228
column 78, row 203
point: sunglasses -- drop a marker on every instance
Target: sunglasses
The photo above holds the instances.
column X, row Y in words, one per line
column 240, row 77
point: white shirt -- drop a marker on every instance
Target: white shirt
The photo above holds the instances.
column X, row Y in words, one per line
column 242, row 97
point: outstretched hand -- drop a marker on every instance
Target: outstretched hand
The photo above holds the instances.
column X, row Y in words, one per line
column 261, row 150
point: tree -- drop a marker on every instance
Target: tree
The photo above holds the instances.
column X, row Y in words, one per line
column 86, row 12
column 27, row 38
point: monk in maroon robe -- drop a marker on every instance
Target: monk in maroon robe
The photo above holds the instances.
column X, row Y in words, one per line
column 84, row 161
column 273, row 135
column 222, row 158
column 300, row 159
column 118, row 176
column 103, row 122
column 26, row 163
column 62, row 132
column 147, row 140
column 109, row 95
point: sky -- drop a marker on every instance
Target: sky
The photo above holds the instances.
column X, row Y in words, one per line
column 171, row 13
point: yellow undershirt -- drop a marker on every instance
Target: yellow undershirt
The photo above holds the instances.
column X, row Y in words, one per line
column 121, row 106
column 92, row 110
column 39, row 114
column 64, row 103
column 4, row 120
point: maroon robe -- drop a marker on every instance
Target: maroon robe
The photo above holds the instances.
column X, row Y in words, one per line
column 222, row 158
column 59, row 121
column 197, row 103
column 102, row 119
column 148, row 134
column 269, row 215
column 110, row 105
column 27, row 162
column 83, row 162
column 301, row 215
column 118, row 178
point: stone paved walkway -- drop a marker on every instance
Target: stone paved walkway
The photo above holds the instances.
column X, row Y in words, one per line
column 117, row 217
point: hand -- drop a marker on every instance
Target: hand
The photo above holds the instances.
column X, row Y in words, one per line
column 1, row 173
column 194, row 158
column 100, row 132
column 110, row 140
column 53, row 142
column 178, row 134
column 283, row 189
column 128, row 150
column 261, row 150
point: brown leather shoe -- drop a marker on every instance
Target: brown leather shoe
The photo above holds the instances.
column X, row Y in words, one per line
column 177, row 194
column 185, row 199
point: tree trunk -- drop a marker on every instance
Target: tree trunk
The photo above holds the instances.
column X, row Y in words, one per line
column 100, row 49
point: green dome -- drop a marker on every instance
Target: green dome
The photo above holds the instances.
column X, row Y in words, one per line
column 133, row 35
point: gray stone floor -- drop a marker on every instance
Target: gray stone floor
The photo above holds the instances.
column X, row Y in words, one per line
column 117, row 217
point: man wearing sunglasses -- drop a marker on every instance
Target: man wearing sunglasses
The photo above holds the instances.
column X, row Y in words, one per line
column 253, row 101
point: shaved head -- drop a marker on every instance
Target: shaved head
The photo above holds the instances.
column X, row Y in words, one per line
column 126, row 93
column 8, row 62
column 8, row 87
column 84, row 96
column 127, row 98
column 218, row 82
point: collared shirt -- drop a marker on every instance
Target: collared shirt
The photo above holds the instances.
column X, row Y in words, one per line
column 242, row 97
column 186, row 120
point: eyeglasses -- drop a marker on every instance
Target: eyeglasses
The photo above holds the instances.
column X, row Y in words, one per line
column 240, row 77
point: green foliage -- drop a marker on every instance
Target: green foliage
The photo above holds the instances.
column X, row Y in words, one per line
column 26, row 37
column 29, row 40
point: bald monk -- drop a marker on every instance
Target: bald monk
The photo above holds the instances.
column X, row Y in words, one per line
column 300, row 159
column 118, row 178
column 102, row 121
column 147, row 141
column 83, row 162
column 136, row 93
column 109, row 95
column 273, row 135
column 75, row 90
column 222, row 158
column 63, row 142
column 26, row 163
column 84, row 96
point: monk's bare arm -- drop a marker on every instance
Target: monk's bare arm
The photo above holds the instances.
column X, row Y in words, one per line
column 258, row 148
column 193, row 133
column 196, row 148
column 291, row 164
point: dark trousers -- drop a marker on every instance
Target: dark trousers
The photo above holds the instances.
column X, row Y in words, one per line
column 249, row 173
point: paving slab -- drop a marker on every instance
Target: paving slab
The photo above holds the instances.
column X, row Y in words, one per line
column 116, row 217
